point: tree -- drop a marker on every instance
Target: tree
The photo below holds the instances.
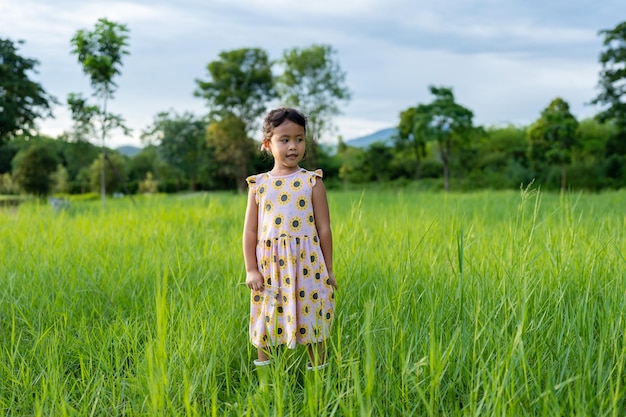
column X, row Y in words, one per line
column 84, row 116
column 444, row 121
column 351, row 161
column 231, row 147
column 500, row 158
column 60, row 180
column 589, row 162
column 181, row 140
column 240, row 86
column 148, row 161
column 593, row 137
column 148, row 185
column 115, row 163
column 376, row 161
column 241, row 83
column 412, row 131
column 451, row 125
column 76, row 155
column 34, row 167
column 613, row 76
column 313, row 81
column 100, row 52
column 7, row 184
column 22, row 101
column 552, row 137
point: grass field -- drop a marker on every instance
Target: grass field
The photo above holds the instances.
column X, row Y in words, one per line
column 483, row 304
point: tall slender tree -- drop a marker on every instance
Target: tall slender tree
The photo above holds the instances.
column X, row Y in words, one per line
column 100, row 52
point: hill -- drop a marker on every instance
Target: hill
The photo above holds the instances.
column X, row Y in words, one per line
column 384, row 135
column 128, row 150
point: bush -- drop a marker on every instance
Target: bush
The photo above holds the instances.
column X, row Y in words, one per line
column 33, row 167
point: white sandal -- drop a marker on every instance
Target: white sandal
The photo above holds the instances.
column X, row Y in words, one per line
column 310, row 367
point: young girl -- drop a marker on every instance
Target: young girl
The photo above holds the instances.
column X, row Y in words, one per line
column 287, row 247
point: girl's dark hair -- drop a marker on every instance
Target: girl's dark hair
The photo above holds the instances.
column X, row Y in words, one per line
column 276, row 117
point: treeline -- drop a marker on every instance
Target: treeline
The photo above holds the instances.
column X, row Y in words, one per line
column 437, row 144
column 497, row 158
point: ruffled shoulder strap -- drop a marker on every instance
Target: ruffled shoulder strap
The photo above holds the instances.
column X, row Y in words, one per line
column 252, row 180
column 314, row 175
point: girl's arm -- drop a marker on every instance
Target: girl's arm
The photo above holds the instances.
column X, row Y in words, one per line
column 254, row 279
column 322, row 224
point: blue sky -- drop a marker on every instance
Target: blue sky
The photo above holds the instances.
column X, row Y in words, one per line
column 505, row 59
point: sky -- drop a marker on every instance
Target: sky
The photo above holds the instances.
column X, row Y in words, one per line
column 505, row 60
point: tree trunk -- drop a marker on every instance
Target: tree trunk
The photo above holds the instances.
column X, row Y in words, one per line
column 446, row 177
column 102, row 177
column 103, row 190
column 418, row 163
column 446, row 171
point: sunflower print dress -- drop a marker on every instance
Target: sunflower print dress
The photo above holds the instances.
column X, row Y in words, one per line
column 297, row 303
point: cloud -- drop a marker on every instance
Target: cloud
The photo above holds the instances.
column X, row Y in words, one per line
column 301, row 11
column 504, row 59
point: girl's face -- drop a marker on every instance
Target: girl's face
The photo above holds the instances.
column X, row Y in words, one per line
column 287, row 146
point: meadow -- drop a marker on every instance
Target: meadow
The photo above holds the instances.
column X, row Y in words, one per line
column 490, row 303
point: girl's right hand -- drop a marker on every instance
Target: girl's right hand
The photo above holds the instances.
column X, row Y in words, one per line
column 254, row 280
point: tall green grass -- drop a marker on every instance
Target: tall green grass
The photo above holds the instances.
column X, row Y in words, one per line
column 492, row 303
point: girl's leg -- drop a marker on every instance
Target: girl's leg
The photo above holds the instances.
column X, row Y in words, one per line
column 317, row 354
column 263, row 355
column 263, row 368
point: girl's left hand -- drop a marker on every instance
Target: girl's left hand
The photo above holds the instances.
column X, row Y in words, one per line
column 331, row 280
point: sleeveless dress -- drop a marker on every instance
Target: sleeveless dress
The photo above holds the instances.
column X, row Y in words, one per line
column 297, row 303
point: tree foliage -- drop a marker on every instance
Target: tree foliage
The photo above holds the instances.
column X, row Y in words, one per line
column 34, row 167
column 412, row 130
column 436, row 140
column 232, row 149
column 613, row 76
column 100, row 53
column 313, row 81
column 240, row 84
column 552, row 137
column 443, row 121
column 115, row 167
column 181, row 143
column 148, row 161
column 84, row 116
column 22, row 100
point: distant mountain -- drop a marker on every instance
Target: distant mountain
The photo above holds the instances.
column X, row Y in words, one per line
column 384, row 135
column 128, row 150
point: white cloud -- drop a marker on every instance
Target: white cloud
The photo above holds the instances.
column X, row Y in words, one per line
column 505, row 59
column 301, row 10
